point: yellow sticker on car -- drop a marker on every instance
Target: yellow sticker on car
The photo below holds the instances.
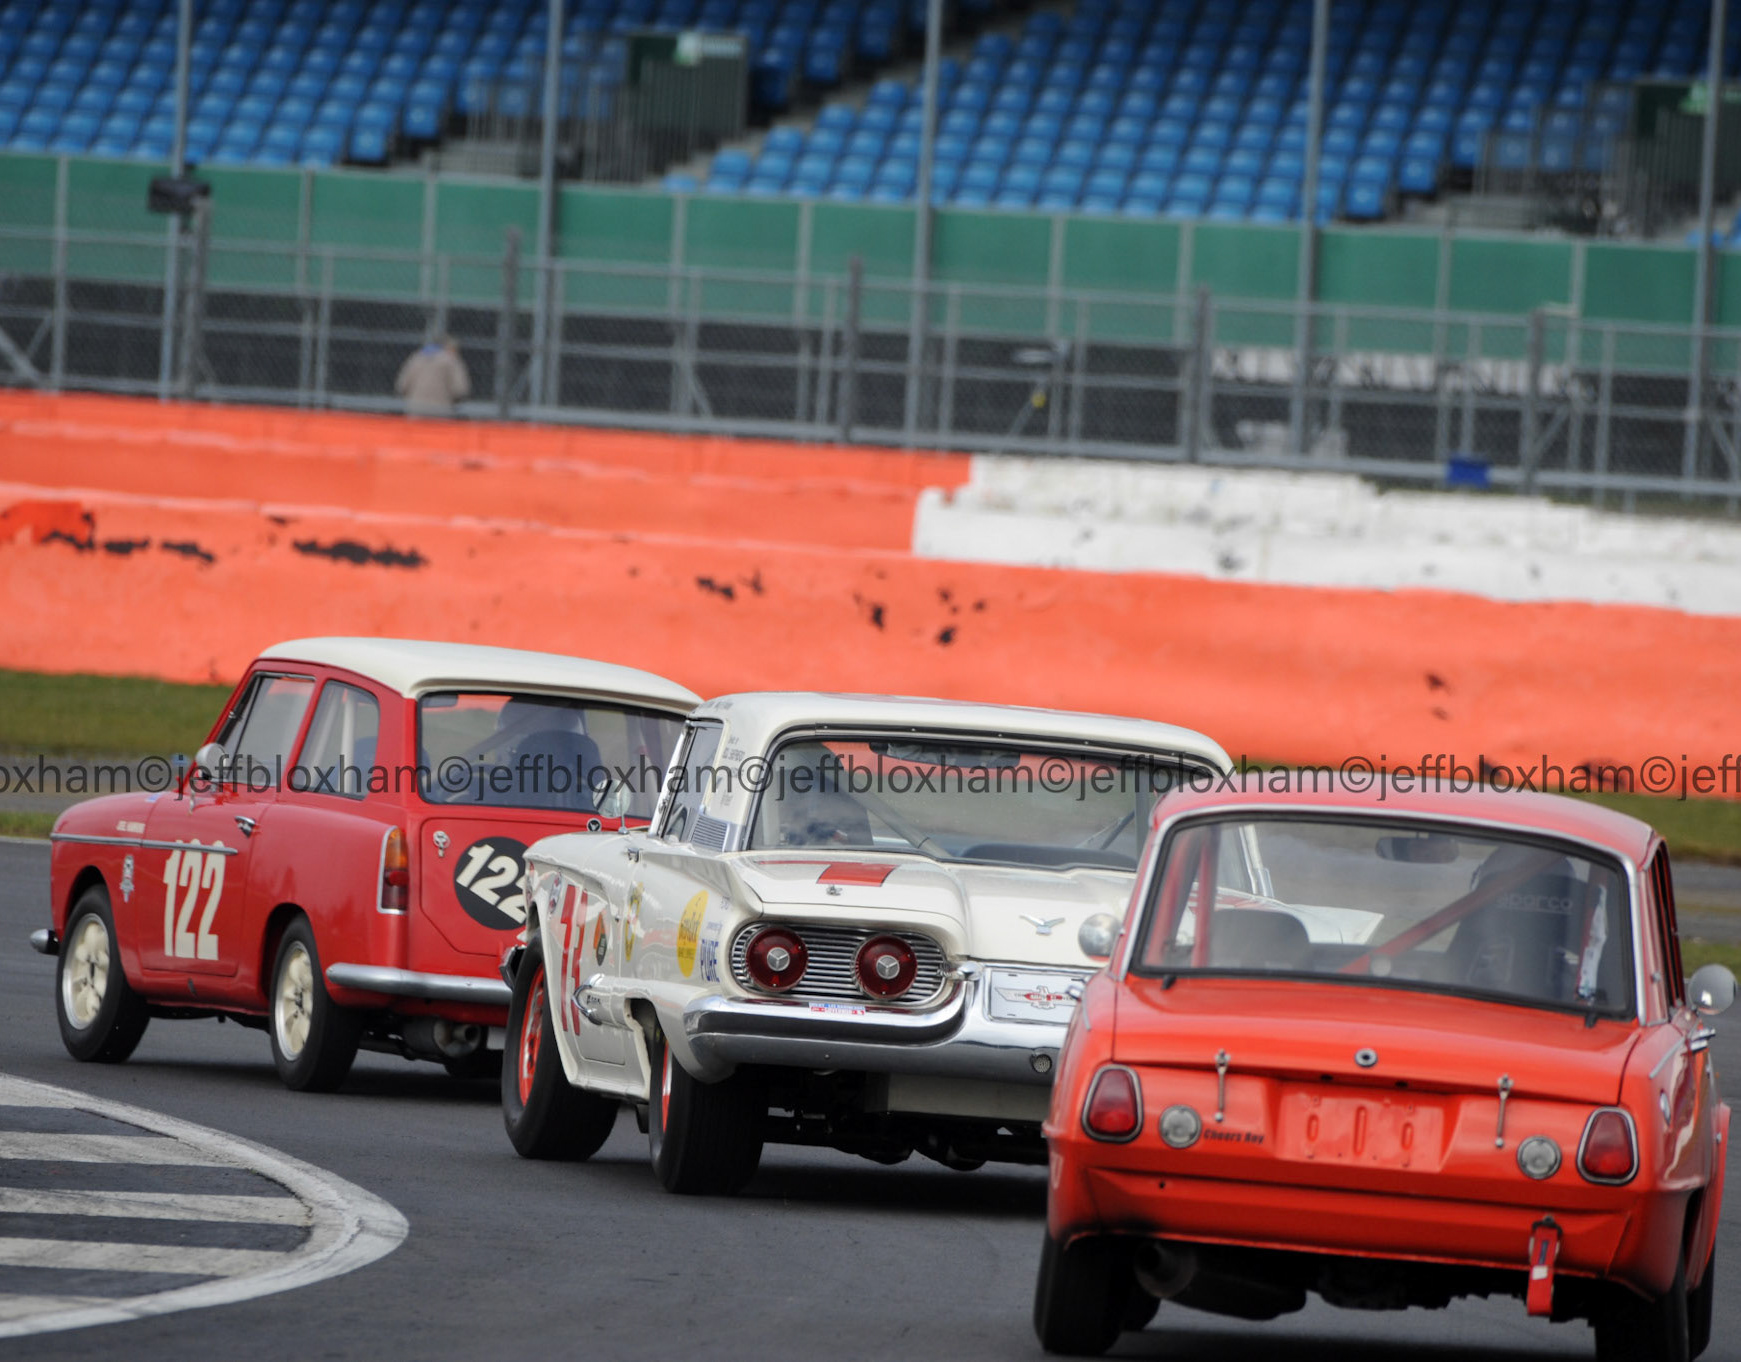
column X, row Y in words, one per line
column 689, row 932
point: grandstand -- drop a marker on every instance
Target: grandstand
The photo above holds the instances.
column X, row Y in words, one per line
column 1192, row 108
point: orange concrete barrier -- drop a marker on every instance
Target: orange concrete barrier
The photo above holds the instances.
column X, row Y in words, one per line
column 192, row 591
column 624, row 482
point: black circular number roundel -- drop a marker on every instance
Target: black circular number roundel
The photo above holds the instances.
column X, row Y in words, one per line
column 486, row 880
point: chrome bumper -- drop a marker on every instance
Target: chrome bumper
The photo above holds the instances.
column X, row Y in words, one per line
column 44, row 942
column 404, row 983
column 960, row 1038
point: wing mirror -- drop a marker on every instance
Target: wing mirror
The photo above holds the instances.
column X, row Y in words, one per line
column 208, row 765
column 1711, row 989
column 1096, row 935
column 614, row 802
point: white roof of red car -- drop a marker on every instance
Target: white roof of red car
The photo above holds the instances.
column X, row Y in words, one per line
column 411, row 666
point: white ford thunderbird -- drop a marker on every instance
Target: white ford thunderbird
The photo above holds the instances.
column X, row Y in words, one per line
column 855, row 921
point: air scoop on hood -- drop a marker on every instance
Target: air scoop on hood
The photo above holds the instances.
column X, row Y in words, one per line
column 1018, row 914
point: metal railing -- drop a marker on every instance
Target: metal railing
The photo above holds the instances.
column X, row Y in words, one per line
column 1547, row 401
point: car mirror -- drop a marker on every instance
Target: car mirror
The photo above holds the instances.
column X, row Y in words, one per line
column 1427, row 849
column 614, row 802
column 1711, row 989
column 208, row 762
column 1096, row 935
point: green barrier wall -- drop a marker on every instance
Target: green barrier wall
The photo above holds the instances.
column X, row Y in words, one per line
column 624, row 240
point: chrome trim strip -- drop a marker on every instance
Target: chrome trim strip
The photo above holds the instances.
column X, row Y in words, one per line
column 404, row 983
column 1158, row 835
column 146, row 843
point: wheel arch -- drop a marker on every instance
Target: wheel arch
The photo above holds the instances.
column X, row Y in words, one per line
column 277, row 923
column 87, row 876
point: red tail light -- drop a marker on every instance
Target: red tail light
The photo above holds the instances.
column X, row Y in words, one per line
column 776, row 959
column 395, row 873
column 1114, row 1110
column 1609, row 1149
column 885, row 966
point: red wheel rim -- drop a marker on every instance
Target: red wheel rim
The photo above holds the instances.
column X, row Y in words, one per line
column 531, row 1035
column 665, row 1092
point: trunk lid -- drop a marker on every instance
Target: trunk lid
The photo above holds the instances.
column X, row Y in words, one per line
column 1305, row 1031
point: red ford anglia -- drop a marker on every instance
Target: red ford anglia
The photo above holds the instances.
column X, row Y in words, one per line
column 1391, row 1050
column 342, row 865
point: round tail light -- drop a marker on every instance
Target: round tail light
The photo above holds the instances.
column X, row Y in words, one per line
column 1609, row 1151
column 886, row 966
column 776, row 959
column 1114, row 1110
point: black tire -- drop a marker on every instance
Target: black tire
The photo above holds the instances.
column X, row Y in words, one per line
column 704, row 1139
column 101, row 1017
column 1699, row 1303
column 546, row 1116
column 314, row 1040
column 1631, row 1329
column 1082, row 1296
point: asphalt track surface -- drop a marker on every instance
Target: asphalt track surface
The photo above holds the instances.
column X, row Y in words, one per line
column 824, row 1257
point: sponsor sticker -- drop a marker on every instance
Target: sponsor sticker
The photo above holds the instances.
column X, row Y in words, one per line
column 689, row 932
column 837, row 1009
column 632, row 924
column 708, row 958
column 601, row 937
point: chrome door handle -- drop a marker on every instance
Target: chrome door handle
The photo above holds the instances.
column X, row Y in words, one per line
column 246, row 825
column 580, row 1004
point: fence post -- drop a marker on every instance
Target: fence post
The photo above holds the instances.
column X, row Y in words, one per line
column 849, row 347
column 323, row 330
column 1193, row 396
column 1604, row 416
column 1526, row 444
column 505, row 322
column 193, row 351
column 57, row 345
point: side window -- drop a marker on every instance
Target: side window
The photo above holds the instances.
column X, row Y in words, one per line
column 341, row 742
column 268, row 729
column 1668, row 931
column 691, row 782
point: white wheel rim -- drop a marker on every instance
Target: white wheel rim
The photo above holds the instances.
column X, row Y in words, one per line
column 84, row 976
column 293, row 1008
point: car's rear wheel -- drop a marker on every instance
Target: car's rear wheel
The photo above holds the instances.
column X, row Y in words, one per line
column 1630, row 1328
column 101, row 1017
column 1699, row 1303
column 705, row 1139
column 314, row 1040
column 546, row 1116
column 1082, row 1296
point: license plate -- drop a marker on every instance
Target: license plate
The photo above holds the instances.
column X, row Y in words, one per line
column 1369, row 1132
column 1017, row 995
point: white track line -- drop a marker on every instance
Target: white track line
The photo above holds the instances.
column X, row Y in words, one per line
column 155, row 1149
column 14, row 1307
column 89, row 1255
column 349, row 1227
column 238, row 1210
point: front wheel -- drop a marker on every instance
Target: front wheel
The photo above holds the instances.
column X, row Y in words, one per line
column 314, row 1040
column 101, row 1017
column 1630, row 1329
column 704, row 1139
column 547, row 1117
column 1082, row 1296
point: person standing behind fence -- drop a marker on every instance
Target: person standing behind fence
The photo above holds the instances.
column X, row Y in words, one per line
column 434, row 379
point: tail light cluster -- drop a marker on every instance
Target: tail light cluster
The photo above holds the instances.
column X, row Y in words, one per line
column 1114, row 1109
column 395, row 873
column 884, row 967
column 1609, row 1150
column 776, row 959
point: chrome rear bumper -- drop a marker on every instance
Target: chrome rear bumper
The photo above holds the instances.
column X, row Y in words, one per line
column 959, row 1038
column 404, row 983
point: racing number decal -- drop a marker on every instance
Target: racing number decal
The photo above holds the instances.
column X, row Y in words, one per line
column 572, row 921
column 480, row 875
column 190, row 872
